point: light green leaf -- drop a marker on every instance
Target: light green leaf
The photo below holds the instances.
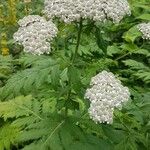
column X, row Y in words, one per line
column 144, row 17
column 8, row 134
column 135, row 64
column 111, row 50
column 132, row 34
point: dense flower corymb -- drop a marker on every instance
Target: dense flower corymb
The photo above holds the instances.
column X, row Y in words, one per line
column 105, row 94
column 35, row 33
column 98, row 10
column 145, row 29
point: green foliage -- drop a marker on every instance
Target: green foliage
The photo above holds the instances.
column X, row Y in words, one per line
column 6, row 67
column 42, row 103
column 132, row 34
column 143, row 75
column 8, row 133
column 21, row 106
column 31, row 78
column 135, row 64
column 144, row 17
column 45, row 129
column 140, row 70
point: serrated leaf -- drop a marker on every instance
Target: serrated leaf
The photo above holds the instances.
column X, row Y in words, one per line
column 74, row 77
column 135, row 64
column 31, row 79
column 142, row 52
column 20, row 106
column 55, row 76
column 129, row 47
column 8, row 134
column 111, row 50
column 144, row 75
column 132, row 34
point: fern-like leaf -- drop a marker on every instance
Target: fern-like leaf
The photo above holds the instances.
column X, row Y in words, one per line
column 135, row 64
column 18, row 107
column 8, row 134
column 29, row 79
column 6, row 67
column 139, row 70
column 143, row 75
column 41, row 128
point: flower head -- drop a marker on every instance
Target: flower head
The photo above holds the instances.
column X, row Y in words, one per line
column 145, row 29
column 35, row 33
column 97, row 10
column 101, row 113
column 105, row 94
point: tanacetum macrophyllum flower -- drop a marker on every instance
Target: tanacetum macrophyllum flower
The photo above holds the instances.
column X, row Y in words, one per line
column 145, row 29
column 105, row 94
column 35, row 33
column 97, row 10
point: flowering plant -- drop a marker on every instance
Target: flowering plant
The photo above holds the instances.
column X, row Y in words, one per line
column 77, row 77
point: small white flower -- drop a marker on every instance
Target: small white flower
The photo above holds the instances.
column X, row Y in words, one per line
column 34, row 34
column 105, row 94
column 97, row 10
column 145, row 29
column 100, row 113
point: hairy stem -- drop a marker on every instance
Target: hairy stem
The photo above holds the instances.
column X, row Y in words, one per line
column 78, row 40
column 73, row 59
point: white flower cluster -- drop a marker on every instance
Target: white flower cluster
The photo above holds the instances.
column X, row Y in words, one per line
column 35, row 33
column 98, row 10
column 145, row 29
column 106, row 93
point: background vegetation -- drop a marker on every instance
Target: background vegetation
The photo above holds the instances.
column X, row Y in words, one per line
column 36, row 90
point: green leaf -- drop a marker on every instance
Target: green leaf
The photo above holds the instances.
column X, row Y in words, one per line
column 129, row 47
column 102, row 44
column 8, row 134
column 49, row 105
column 141, row 4
column 31, row 79
column 74, row 77
column 144, row 17
column 132, row 34
column 114, row 135
column 144, row 75
column 20, row 106
column 142, row 52
column 128, row 143
column 135, row 64
column 111, row 50
column 55, row 76
column 81, row 104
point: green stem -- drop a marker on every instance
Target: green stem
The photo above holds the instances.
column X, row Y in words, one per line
column 53, row 132
column 73, row 59
column 78, row 40
column 66, row 104
column 123, row 56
